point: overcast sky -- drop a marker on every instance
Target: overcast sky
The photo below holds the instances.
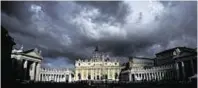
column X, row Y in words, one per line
column 65, row 31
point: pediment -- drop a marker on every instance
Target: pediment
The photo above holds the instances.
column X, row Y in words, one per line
column 33, row 54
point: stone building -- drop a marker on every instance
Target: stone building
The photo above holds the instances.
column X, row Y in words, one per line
column 178, row 63
column 26, row 64
column 99, row 67
column 7, row 75
column 56, row 75
column 184, row 59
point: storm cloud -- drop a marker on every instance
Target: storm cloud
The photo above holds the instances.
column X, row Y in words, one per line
column 66, row 31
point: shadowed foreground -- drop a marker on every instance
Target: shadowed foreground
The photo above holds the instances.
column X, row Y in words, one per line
column 104, row 85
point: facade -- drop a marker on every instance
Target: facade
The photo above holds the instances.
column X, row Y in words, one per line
column 56, row 75
column 98, row 68
column 140, row 74
column 181, row 64
column 178, row 63
column 26, row 64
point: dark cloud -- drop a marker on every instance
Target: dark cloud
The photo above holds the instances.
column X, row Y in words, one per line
column 65, row 31
column 116, row 9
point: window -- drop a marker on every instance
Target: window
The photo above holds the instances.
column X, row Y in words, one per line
column 116, row 75
column 106, row 77
column 89, row 76
column 78, row 64
column 79, row 76
column 97, row 77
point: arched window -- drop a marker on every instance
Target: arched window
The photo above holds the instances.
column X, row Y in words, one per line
column 72, row 75
column 116, row 75
column 97, row 77
column 89, row 76
column 67, row 78
column 106, row 77
column 79, row 76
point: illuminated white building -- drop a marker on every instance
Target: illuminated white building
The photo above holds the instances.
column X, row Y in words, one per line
column 55, row 75
column 99, row 67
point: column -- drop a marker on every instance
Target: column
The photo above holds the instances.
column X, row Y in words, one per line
column 70, row 78
column 137, row 76
column 87, row 73
column 108, row 73
column 76, row 75
column 91, row 73
column 33, row 71
column 151, row 77
column 156, row 76
column 183, row 70
column 43, row 77
column 177, row 70
column 166, row 76
column 130, row 76
column 56, row 78
column 159, row 77
column 46, row 76
column 59, row 78
column 25, row 68
column 192, row 66
column 140, row 76
column 143, row 76
column 37, row 71
column 148, row 77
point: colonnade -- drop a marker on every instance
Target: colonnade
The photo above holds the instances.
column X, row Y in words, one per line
column 30, row 69
column 26, row 64
column 26, row 68
column 55, row 75
column 152, row 76
column 97, row 73
column 186, row 68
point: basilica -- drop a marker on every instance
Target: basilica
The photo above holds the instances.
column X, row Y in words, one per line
column 179, row 63
column 98, row 67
